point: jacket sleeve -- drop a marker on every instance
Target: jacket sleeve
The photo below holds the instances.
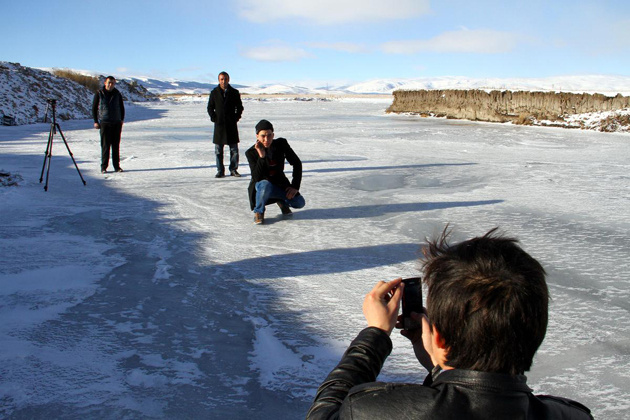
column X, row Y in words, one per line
column 238, row 106
column 122, row 107
column 361, row 363
column 211, row 105
column 95, row 105
column 258, row 166
column 294, row 161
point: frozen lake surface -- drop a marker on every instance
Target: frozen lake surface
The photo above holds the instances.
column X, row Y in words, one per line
column 151, row 293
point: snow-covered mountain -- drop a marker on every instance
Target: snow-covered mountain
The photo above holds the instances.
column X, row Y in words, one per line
column 170, row 87
column 274, row 89
column 607, row 85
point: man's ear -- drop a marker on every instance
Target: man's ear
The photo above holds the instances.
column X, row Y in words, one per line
column 440, row 348
column 438, row 340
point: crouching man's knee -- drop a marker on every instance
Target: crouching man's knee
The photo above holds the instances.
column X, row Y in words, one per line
column 262, row 185
column 298, row 201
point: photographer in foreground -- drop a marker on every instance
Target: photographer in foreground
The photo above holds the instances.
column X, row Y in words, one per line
column 485, row 318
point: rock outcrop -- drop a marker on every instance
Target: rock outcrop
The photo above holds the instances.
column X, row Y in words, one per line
column 503, row 106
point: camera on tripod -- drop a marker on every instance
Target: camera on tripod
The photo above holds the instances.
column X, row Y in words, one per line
column 51, row 104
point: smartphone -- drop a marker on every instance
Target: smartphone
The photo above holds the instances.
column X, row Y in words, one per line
column 411, row 302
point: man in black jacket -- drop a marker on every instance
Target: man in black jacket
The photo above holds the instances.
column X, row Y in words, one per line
column 108, row 111
column 225, row 109
column 485, row 318
column 269, row 184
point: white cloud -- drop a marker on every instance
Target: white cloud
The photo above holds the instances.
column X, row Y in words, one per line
column 346, row 47
column 480, row 41
column 328, row 12
column 276, row 52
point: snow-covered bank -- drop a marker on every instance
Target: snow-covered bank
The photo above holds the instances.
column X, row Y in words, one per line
column 24, row 92
column 151, row 294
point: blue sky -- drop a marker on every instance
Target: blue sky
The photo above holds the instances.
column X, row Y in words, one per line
column 319, row 42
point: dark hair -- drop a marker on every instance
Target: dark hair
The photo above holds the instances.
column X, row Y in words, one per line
column 110, row 78
column 263, row 125
column 489, row 301
column 225, row 74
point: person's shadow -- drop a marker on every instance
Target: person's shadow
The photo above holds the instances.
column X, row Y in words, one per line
column 375, row 210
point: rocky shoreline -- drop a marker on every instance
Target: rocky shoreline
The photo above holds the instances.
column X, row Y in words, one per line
column 558, row 109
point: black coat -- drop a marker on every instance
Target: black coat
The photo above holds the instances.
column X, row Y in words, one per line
column 279, row 151
column 225, row 113
column 350, row 393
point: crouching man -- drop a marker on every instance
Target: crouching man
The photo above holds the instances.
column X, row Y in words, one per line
column 486, row 316
column 269, row 184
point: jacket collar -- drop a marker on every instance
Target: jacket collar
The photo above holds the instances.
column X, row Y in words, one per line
column 498, row 382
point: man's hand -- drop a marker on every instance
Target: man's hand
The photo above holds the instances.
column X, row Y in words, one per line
column 420, row 340
column 381, row 305
column 97, row 125
column 291, row 192
column 260, row 149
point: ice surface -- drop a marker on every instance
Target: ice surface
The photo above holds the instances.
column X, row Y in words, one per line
column 151, row 293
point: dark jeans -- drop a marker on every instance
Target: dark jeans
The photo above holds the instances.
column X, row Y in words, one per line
column 266, row 191
column 218, row 151
column 110, row 138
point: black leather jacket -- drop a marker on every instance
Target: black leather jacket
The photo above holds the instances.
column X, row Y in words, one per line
column 453, row 394
column 108, row 107
column 279, row 151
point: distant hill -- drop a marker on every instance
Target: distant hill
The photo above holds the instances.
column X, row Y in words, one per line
column 166, row 87
column 607, row 85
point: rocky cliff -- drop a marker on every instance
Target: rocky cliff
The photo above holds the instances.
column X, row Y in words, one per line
column 503, row 106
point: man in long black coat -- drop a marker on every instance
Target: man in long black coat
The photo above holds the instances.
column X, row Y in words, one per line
column 225, row 109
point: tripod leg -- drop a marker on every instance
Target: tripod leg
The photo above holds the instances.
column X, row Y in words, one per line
column 70, row 153
column 48, row 145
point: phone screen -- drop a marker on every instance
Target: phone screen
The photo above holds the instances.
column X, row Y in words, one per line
column 411, row 302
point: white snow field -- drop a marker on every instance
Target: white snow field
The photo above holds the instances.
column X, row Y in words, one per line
column 152, row 294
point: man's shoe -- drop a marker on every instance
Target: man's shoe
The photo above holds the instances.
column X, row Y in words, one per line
column 235, row 173
column 286, row 210
column 259, row 218
column 119, row 170
column 104, row 171
column 219, row 175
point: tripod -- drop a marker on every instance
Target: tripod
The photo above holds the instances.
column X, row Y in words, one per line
column 54, row 126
